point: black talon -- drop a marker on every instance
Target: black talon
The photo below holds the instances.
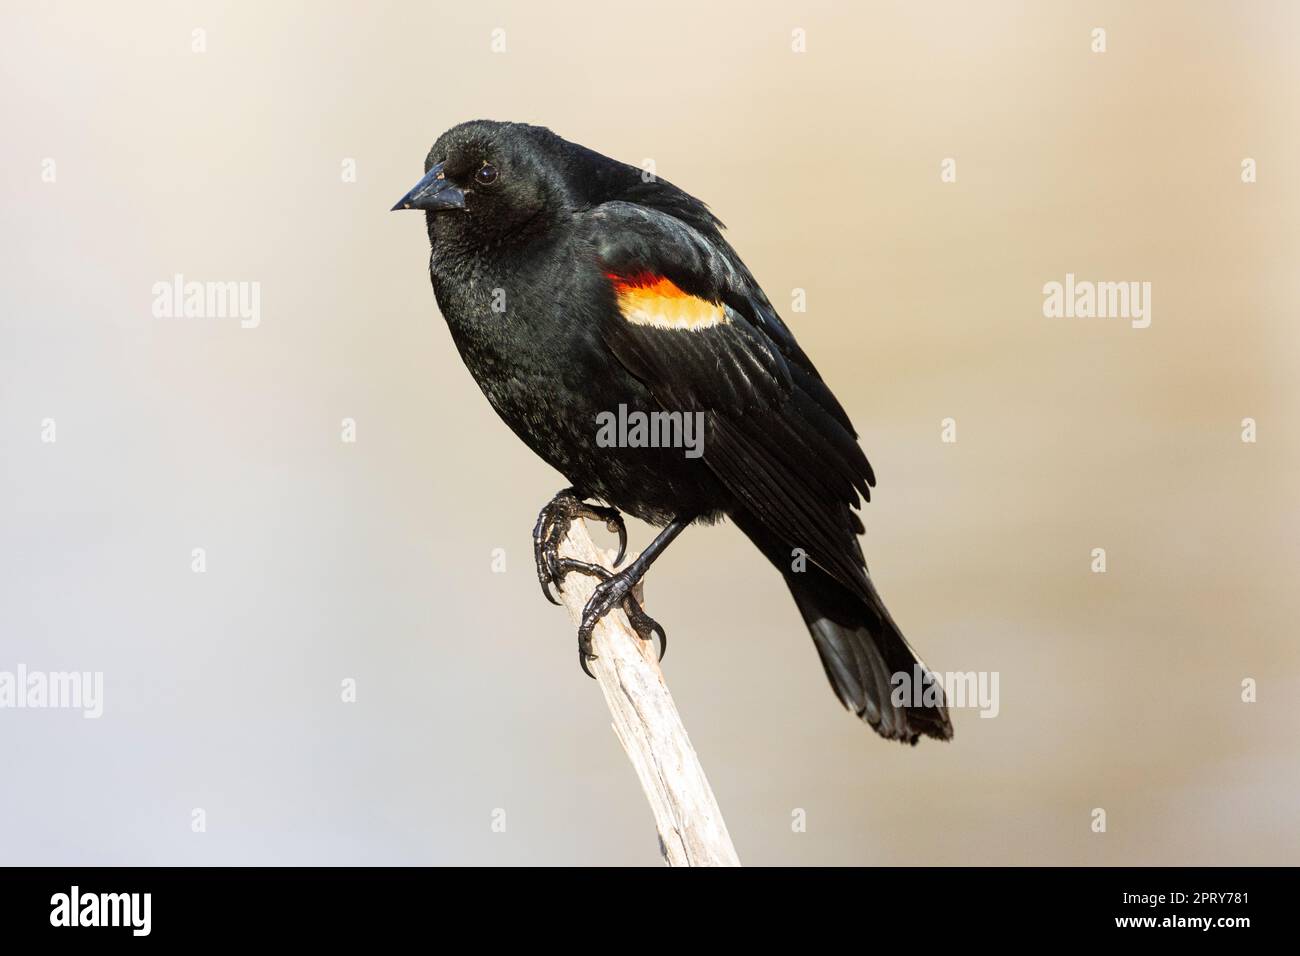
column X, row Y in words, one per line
column 617, row 526
column 563, row 568
column 615, row 588
column 645, row 626
column 539, row 558
column 553, row 524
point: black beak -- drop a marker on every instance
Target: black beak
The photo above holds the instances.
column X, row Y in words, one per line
column 433, row 193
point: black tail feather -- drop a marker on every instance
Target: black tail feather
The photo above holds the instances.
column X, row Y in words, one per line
column 861, row 649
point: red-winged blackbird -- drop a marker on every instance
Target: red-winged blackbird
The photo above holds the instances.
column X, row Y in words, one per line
column 578, row 288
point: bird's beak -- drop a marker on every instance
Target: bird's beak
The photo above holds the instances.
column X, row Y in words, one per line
column 433, row 193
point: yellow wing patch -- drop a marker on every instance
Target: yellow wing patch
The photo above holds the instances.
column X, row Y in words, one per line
column 657, row 302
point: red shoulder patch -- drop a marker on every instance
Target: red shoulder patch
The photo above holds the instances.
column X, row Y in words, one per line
column 656, row 301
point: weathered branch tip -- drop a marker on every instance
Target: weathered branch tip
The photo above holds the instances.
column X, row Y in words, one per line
column 645, row 719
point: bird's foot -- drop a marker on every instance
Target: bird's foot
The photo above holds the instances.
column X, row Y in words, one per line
column 553, row 524
column 614, row 590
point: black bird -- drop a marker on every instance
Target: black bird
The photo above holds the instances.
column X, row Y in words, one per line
column 577, row 287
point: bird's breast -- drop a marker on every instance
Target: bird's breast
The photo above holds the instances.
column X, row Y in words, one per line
column 543, row 366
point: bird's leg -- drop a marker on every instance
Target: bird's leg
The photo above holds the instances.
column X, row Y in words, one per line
column 553, row 524
column 615, row 590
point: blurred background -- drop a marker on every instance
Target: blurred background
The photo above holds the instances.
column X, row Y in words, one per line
column 214, row 140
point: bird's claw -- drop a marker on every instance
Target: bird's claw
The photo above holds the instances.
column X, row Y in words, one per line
column 553, row 524
column 614, row 590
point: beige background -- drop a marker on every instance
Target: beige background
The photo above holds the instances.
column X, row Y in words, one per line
column 373, row 561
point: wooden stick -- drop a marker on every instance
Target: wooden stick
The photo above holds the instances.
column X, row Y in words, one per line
column 691, row 829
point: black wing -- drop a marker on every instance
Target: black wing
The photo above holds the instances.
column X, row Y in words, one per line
column 692, row 325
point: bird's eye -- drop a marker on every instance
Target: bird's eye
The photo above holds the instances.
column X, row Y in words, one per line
column 486, row 175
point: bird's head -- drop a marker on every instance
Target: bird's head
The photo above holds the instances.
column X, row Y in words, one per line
column 484, row 181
